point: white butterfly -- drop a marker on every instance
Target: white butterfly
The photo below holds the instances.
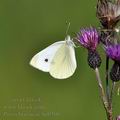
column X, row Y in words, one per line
column 58, row 59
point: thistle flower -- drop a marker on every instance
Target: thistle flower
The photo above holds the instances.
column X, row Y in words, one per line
column 113, row 52
column 89, row 39
column 108, row 13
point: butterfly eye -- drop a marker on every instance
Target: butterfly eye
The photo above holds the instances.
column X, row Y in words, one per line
column 46, row 60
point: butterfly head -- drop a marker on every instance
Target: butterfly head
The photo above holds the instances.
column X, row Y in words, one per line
column 69, row 40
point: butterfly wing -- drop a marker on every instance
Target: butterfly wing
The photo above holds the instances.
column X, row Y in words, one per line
column 43, row 59
column 63, row 64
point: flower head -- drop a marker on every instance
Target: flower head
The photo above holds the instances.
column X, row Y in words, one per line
column 108, row 13
column 88, row 38
column 113, row 52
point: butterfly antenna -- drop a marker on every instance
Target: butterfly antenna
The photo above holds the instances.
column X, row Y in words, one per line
column 68, row 27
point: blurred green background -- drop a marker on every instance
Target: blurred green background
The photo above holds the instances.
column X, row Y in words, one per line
column 28, row 26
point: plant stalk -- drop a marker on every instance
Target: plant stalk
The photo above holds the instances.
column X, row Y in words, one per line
column 107, row 106
column 109, row 95
column 107, row 79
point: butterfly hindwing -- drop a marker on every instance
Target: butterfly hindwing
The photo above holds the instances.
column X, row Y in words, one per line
column 64, row 62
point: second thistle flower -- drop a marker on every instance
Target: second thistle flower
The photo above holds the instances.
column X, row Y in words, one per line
column 113, row 52
column 89, row 39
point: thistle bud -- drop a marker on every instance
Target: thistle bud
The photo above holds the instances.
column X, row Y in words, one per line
column 94, row 59
column 115, row 72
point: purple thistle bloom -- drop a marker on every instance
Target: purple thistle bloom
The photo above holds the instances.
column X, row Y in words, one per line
column 113, row 52
column 88, row 38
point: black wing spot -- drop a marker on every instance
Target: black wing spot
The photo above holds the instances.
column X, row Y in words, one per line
column 46, row 60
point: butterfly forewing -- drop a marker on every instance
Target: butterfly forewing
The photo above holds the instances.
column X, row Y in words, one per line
column 43, row 59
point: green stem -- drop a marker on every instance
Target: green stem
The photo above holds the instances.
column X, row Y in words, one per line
column 107, row 79
column 107, row 106
column 112, row 91
column 102, row 92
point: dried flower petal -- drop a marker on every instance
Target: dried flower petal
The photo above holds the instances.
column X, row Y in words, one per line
column 108, row 13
